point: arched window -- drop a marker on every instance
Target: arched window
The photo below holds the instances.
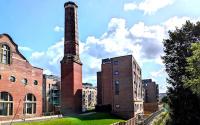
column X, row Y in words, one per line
column 6, row 104
column 4, row 54
column 29, row 104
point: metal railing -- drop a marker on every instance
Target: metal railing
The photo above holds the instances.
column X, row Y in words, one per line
column 148, row 120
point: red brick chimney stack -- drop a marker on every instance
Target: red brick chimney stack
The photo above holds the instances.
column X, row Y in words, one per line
column 71, row 66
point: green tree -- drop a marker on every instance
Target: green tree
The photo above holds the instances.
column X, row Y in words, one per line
column 183, row 103
column 193, row 68
column 164, row 99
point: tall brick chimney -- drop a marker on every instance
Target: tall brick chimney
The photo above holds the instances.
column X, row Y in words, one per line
column 71, row 66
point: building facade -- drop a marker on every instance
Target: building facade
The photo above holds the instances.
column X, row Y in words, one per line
column 20, row 83
column 51, row 94
column 89, row 97
column 119, row 84
column 151, row 95
column 71, row 66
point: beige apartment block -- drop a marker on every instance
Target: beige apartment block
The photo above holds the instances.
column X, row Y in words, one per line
column 89, row 97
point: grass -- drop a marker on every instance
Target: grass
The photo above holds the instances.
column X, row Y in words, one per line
column 92, row 119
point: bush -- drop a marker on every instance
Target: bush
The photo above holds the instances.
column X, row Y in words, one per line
column 161, row 119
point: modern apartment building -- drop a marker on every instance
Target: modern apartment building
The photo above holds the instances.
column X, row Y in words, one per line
column 51, row 94
column 89, row 97
column 151, row 95
column 20, row 83
column 119, row 84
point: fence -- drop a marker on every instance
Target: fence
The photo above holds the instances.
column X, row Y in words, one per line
column 148, row 120
column 133, row 121
column 128, row 122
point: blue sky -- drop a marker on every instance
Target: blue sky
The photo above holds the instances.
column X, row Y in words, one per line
column 107, row 28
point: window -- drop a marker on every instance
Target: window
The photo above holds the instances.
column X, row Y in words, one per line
column 117, row 106
column 25, row 81
column 135, row 107
column 4, row 54
column 35, row 82
column 116, row 73
column 6, row 104
column 134, row 66
column 116, row 82
column 116, row 62
column 29, row 104
column 116, row 87
column 12, row 79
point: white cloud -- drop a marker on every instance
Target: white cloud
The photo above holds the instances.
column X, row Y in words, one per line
column 148, row 6
column 159, row 60
column 24, row 48
column 154, row 31
column 158, row 73
column 143, row 41
column 175, row 21
column 130, row 6
column 37, row 55
column 47, row 72
column 50, row 58
column 58, row 29
column 55, row 52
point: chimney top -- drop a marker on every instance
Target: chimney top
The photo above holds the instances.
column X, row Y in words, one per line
column 70, row 3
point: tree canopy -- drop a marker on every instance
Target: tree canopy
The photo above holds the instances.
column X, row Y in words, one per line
column 193, row 68
column 183, row 103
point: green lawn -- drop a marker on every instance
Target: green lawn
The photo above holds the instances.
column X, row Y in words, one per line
column 93, row 119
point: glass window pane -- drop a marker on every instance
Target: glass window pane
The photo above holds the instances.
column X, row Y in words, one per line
column 12, row 78
column 116, row 89
column 5, row 54
column 29, row 97
column 35, row 82
column 6, row 107
column 30, row 105
column 10, row 108
column 10, row 97
column 4, row 96
column 34, row 108
column 3, row 108
column 29, row 108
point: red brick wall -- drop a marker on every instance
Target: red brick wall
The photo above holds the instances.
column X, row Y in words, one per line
column 20, row 68
column 150, row 107
column 71, row 87
column 99, row 89
column 125, row 98
column 106, row 80
column 128, row 102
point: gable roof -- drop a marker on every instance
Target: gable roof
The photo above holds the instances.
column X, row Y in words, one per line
column 11, row 40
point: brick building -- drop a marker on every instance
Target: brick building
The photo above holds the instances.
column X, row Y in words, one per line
column 89, row 97
column 51, row 94
column 151, row 95
column 119, row 85
column 20, row 83
column 71, row 66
